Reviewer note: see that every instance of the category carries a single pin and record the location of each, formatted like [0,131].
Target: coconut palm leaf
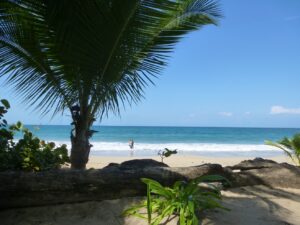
[280,146]
[291,147]
[103,51]
[96,54]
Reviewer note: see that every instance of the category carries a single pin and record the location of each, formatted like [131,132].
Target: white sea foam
[197,147]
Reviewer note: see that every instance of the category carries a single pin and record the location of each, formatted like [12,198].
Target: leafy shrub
[290,146]
[166,153]
[29,153]
[5,135]
[183,199]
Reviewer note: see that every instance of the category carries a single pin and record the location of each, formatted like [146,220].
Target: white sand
[176,160]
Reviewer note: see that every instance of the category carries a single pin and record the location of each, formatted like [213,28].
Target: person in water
[131,146]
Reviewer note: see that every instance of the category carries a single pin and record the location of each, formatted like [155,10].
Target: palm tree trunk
[80,149]
[80,136]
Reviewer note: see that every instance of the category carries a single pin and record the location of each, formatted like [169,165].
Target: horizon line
[169,126]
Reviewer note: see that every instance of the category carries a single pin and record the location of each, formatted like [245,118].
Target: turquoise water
[193,140]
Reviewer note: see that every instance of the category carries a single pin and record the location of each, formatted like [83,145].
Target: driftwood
[20,189]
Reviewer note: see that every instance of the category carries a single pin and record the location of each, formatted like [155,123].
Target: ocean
[206,141]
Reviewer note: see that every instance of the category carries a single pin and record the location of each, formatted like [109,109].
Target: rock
[142,163]
[138,164]
[266,172]
[256,163]
[112,165]
[194,171]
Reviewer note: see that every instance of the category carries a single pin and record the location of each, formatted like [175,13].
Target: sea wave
[188,147]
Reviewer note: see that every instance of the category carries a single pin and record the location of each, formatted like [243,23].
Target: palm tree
[290,146]
[90,57]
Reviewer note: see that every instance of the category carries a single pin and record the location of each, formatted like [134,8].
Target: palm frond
[24,59]
[155,29]
[285,146]
[100,54]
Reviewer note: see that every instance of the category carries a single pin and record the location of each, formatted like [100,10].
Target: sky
[245,72]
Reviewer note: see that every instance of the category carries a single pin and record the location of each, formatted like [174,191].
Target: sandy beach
[256,205]
[178,160]
[248,205]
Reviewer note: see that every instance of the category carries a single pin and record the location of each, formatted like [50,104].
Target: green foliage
[29,153]
[102,53]
[166,153]
[185,200]
[5,135]
[290,146]
[94,55]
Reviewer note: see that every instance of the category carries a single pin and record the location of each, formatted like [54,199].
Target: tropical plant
[91,57]
[5,135]
[28,153]
[166,153]
[185,200]
[290,146]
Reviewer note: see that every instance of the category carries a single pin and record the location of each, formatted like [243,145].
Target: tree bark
[80,150]
[80,136]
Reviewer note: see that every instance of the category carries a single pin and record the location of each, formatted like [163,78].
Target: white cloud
[277,109]
[227,114]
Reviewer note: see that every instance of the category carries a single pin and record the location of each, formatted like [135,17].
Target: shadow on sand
[249,205]
[258,205]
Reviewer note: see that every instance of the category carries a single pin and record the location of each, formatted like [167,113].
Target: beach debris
[166,153]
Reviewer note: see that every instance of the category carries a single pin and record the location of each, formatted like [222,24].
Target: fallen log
[21,189]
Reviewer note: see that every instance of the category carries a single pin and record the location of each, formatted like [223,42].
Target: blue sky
[244,72]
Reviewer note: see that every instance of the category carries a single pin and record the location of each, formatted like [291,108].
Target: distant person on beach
[131,146]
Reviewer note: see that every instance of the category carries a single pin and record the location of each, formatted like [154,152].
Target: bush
[29,153]
[184,200]
[5,135]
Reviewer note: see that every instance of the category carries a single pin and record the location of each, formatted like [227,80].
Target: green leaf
[26,159]
[157,188]
[149,204]
[19,125]
[134,210]
[181,216]
[5,103]
[184,199]
[284,145]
